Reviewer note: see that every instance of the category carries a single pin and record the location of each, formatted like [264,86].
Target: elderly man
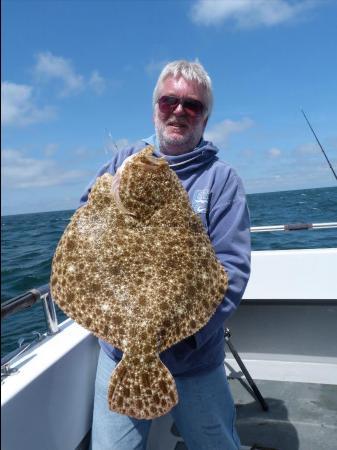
[205,414]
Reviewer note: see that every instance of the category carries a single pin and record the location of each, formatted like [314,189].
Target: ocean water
[29,241]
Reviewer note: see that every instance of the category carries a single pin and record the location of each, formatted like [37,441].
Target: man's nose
[179,110]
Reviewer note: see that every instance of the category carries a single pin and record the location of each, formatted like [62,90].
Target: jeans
[204,415]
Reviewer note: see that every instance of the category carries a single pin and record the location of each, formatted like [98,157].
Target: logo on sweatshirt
[200,200]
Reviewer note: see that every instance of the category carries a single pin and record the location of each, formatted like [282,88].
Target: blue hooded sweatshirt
[217,195]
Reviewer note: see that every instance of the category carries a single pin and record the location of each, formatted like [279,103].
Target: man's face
[178,131]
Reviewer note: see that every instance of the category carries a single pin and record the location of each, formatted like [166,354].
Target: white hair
[191,71]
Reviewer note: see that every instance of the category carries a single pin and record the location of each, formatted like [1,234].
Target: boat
[281,363]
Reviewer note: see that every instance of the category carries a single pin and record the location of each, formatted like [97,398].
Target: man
[205,413]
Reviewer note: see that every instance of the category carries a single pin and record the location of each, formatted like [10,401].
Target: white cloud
[247,154]
[288,177]
[302,167]
[154,67]
[307,149]
[51,67]
[21,172]
[220,132]
[82,152]
[97,82]
[18,106]
[248,13]
[50,150]
[274,152]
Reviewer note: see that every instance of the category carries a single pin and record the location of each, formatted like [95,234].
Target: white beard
[177,144]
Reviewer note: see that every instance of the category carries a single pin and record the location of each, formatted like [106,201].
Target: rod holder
[50,313]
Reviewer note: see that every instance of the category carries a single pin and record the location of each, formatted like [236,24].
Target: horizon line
[74,209]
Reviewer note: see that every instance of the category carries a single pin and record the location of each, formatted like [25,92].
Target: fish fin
[143,391]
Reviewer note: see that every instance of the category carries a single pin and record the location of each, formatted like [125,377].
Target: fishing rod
[319,144]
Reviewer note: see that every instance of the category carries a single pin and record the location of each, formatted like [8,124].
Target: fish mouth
[147,162]
[115,191]
[151,162]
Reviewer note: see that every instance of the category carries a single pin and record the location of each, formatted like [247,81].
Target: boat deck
[301,416]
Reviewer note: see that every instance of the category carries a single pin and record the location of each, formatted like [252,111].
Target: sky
[78,76]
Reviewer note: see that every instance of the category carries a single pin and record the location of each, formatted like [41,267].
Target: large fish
[136,268]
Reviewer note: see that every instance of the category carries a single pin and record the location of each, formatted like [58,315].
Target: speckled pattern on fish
[136,268]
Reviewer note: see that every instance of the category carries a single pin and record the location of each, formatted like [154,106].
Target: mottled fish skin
[136,268]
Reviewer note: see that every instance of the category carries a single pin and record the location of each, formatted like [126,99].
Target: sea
[28,242]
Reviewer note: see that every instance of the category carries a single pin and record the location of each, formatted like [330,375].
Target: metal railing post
[50,313]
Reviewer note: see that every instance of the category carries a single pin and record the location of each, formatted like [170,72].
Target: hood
[203,154]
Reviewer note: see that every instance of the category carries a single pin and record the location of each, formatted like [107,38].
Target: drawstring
[186,161]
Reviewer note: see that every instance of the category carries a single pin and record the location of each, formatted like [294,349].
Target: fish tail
[144,391]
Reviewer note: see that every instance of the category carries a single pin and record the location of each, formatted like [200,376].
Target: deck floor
[301,416]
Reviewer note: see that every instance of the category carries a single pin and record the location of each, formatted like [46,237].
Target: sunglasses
[168,103]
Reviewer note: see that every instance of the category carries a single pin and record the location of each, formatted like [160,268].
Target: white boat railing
[294,227]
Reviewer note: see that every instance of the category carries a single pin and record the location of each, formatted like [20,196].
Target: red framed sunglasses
[168,103]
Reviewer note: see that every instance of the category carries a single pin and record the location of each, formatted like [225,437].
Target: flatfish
[136,268]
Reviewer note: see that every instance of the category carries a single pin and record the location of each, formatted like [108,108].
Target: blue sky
[75,73]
